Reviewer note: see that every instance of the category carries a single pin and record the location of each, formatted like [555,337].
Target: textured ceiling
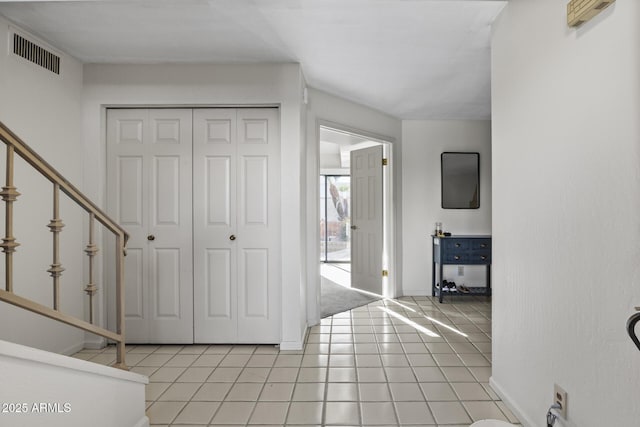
[413,59]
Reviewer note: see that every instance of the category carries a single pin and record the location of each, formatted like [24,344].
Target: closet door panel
[214,213]
[236,228]
[259,225]
[218,286]
[129,182]
[149,155]
[218,191]
[255,184]
[254,280]
[170,232]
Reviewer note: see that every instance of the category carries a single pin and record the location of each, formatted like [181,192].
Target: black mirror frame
[477,154]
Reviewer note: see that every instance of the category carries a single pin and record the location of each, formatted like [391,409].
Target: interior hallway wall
[424,142]
[43,109]
[566,223]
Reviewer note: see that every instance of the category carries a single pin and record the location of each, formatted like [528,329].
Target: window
[335,218]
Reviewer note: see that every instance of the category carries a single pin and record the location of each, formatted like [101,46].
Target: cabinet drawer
[477,244]
[454,245]
[480,257]
[456,257]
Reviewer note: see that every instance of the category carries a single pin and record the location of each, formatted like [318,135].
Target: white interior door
[149,155]
[366,219]
[237,225]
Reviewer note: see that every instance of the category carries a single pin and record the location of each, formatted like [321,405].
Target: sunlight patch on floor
[409,322]
[338,273]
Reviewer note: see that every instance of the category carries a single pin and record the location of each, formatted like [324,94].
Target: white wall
[331,161]
[214,85]
[566,194]
[423,143]
[327,109]
[44,110]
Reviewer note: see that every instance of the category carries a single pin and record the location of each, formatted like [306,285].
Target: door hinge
[385,273]
[385,162]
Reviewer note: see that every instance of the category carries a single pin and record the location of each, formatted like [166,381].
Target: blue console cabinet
[460,250]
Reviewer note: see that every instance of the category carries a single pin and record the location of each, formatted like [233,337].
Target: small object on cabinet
[438,231]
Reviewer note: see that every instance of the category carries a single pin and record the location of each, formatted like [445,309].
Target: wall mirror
[460,180]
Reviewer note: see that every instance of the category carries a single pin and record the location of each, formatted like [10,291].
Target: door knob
[151,237]
[232,237]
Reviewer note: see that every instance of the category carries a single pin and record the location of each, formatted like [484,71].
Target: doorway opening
[354,250]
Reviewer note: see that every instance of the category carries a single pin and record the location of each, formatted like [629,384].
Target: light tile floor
[408,361]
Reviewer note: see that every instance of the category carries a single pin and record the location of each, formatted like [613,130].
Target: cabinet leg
[488,291]
[440,279]
[433,279]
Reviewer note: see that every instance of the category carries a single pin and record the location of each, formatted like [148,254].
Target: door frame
[389,263]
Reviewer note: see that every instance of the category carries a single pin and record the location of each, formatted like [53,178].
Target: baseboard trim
[71,350]
[513,407]
[416,293]
[291,345]
[97,344]
[295,345]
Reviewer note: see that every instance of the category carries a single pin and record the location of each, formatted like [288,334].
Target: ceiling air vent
[36,54]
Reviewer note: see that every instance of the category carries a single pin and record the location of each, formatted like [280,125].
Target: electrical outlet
[560,398]
[461,270]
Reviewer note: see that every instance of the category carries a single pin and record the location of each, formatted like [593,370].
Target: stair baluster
[56,226]
[91,252]
[9,244]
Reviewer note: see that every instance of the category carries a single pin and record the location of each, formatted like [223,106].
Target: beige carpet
[336,299]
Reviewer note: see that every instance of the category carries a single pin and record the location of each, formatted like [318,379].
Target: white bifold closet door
[236,189]
[199,192]
[149,155]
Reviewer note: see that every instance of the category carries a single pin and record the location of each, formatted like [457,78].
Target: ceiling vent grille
[36,54]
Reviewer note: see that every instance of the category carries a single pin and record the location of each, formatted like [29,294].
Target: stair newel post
[9,244]
[56,225]
[120,310]
[91,251]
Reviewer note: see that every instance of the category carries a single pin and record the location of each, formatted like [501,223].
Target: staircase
[43,388]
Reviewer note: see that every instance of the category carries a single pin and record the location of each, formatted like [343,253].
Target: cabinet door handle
[457,245]
[456,257]
[151,237]
[232,237]
[484,245]
[483,257]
